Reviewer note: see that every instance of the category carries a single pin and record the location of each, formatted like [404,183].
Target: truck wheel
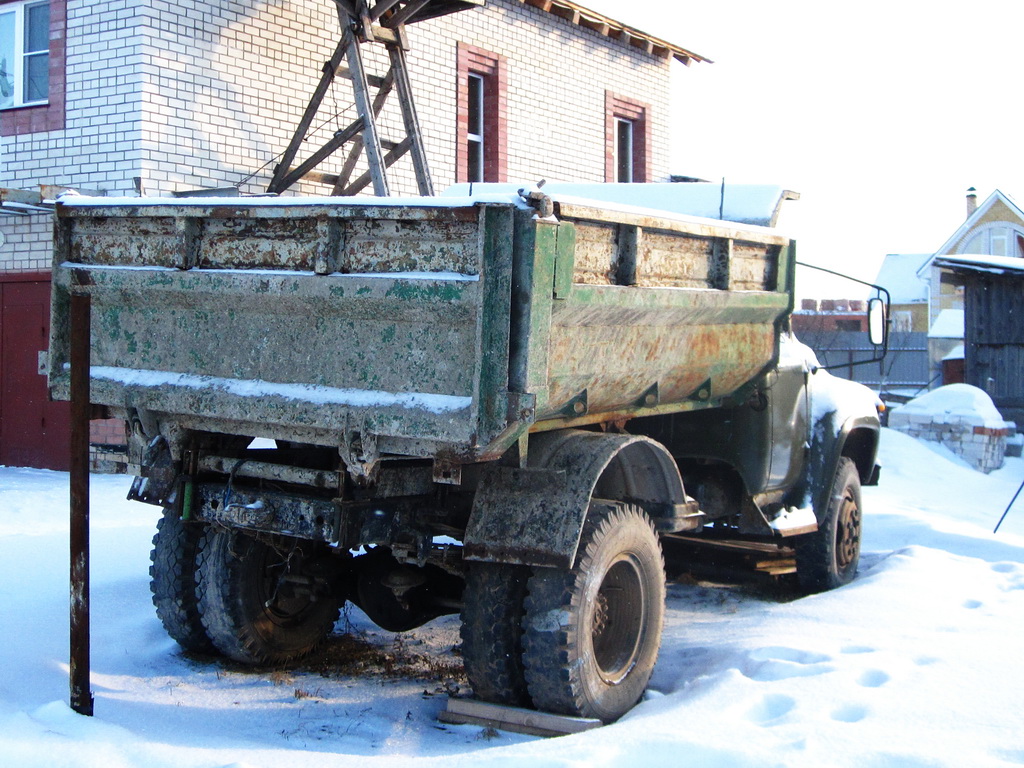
[592,632]
[262,604]
[172,580]
[492,647]
[828,558]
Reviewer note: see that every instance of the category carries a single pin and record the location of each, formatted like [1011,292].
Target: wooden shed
[993,326]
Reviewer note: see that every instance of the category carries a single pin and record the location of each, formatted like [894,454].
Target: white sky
[880,114]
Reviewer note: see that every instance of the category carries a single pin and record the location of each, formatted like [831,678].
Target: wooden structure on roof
[603,25]
[368,21]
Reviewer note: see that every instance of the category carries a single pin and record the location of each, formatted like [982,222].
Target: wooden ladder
[366,21]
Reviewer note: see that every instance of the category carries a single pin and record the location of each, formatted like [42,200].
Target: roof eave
[582,16]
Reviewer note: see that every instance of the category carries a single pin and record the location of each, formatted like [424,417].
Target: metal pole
[1006,511]
[81,693]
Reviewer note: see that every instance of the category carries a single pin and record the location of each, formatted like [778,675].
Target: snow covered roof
[899,275]
[948,325]
[756,204]
[999,265]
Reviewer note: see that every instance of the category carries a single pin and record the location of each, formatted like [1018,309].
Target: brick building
[155,97]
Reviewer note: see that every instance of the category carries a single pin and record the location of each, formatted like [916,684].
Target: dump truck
[500,402]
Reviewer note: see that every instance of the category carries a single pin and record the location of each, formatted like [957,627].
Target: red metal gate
[34,432]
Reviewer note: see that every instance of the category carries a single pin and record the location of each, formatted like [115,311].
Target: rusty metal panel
[667,260]
[677,351]
[150,241]
[752,267]
[596,253]
[245,243]
[375,245]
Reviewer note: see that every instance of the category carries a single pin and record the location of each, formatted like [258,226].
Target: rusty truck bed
[437,327]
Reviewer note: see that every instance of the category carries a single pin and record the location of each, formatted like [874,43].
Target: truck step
[513,719]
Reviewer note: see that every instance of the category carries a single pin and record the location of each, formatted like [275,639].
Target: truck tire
[828,558]
[250,612]
[172,580]
[492,647]
[591,633]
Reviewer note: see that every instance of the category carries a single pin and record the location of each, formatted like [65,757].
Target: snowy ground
[917,663]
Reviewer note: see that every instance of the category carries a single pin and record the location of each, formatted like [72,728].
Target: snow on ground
[916,663]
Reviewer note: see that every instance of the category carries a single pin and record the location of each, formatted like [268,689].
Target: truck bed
[440,326]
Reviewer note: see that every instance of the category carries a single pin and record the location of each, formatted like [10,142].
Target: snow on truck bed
[744,204]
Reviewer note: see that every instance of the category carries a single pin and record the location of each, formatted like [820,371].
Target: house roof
[575,13]
[972,220]
[899,276]
[998,265]
[392,12]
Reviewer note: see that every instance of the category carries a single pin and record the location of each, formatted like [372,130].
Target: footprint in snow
[850,713]
[873,678]
[972,604]
[857,649]
[771,709]
[779,663]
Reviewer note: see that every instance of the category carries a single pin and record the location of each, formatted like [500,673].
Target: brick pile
[977,440]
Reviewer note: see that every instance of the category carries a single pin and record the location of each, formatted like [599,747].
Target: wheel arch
[856,438]
[535,515]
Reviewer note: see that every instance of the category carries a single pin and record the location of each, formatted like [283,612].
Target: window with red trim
[627,140]
[481,152]
[32,82]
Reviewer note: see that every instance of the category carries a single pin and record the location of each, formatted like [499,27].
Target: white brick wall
[202,93]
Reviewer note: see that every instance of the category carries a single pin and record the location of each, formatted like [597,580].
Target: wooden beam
[514,719]
[374,80]
[402,15]
[329,69]
[371,139]
[337,141]
[348,8]
[382,7]
[389,159]
[424,184]
[357,143]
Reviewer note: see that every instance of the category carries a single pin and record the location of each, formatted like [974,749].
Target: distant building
[908,291]
[820,315]
[995,228]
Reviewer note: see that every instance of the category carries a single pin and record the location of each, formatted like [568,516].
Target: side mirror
[878,325]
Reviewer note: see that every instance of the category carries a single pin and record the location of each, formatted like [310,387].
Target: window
[475,130]
[626,139]
[32,81]
[623,150]
[481,153]
[24,54]
[996,240]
